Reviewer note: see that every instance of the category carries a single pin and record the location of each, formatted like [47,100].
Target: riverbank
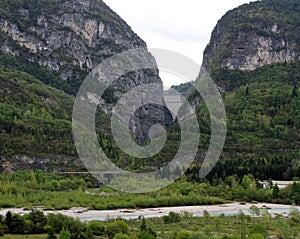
[227,209]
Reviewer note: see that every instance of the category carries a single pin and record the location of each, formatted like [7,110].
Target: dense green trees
[263,122]
[55,191]
[262,119]
[36,222]
[34,118]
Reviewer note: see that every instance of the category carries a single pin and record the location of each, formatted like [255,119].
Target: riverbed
[214,210]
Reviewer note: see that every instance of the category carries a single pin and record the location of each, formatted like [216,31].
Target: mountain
[254,58]
[255,34]
[48,47]
[67,37]
[35,121]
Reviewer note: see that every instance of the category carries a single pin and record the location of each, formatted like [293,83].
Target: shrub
[121,236]
[183,235]
[64,234]
[116,227]
[96,228]
[172,217]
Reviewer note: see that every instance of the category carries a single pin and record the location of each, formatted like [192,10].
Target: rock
[72,37]
[255,34]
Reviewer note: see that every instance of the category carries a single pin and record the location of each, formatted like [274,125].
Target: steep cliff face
[255,34]
[70,38]
[58,42]
[254,58]
[62,35]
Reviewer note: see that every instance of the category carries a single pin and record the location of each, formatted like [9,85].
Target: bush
[146,235]
[64,234]
[121,236]
[256,236]
[172,217]
[1,231]
[116,227]
[96,228]
[183,235]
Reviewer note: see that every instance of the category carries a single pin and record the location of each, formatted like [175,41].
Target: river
[214,210]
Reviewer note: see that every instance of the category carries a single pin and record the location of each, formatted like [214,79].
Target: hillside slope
[48,44]
[35,121]
[253,57]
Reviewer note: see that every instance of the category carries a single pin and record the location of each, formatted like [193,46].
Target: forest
[57,191]
[262,124]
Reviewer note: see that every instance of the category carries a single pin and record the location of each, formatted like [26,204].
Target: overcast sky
[181,26]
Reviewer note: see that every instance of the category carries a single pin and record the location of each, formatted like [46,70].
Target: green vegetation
[183,88]
[43,74]
[35,119]
[206,227]
[263,122]
[56,191]
[262,111]
[263,140]
[262,105]
[36,222]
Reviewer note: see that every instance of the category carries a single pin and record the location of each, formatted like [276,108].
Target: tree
[183,235]
[8,219]
[259,229]
[65,234]
[218,223]
[255,211]
[39,221]
[96,228]
[241,217]
[247,181]
[51,234]
[266,217]
[172,217]
[79,230]
[275,192]
[121,236]
[143,226]
[295,92]
[15,223]
[283,228]
[116,227]
[146,235]
[256,236]
[1,230]
[206,216]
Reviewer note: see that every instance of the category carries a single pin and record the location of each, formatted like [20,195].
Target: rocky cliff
[254,58]
[57,43]
[255,34]
[63,35]
[69,38]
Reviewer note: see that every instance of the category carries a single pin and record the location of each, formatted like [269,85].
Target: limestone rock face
[255,34]
[70,38]
[67,34]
